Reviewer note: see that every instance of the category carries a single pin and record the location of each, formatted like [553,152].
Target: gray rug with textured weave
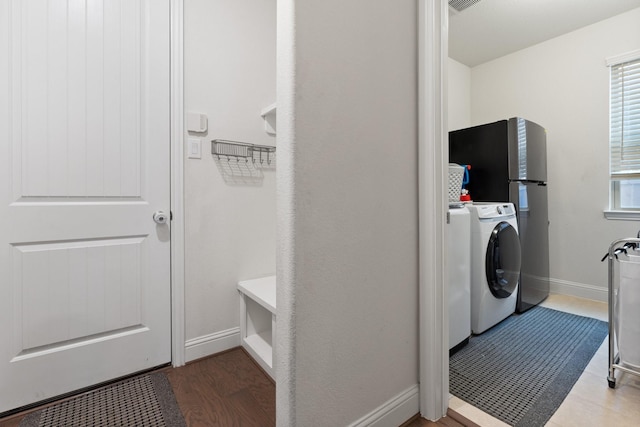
[521,370]
[145,400]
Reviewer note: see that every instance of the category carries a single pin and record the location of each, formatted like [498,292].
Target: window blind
[625,119]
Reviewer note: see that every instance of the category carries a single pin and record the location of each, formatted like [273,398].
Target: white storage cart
[624,308]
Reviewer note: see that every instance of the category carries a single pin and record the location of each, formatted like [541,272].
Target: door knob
[160,217]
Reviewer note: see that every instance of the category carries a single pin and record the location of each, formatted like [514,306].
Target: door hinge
[448,218]
[170,215]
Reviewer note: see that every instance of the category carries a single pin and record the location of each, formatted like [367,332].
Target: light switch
[194,148]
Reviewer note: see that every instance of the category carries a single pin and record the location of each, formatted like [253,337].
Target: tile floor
[591,402]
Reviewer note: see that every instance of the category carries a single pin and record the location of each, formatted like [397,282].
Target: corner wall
[347,212]
[458,95]
[563,84]
[230,75]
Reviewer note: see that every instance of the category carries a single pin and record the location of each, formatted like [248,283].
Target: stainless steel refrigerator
[508,162]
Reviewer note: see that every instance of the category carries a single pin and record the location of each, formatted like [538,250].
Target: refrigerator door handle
[528,181]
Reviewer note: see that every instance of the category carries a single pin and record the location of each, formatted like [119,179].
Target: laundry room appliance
[510,165]
[495,263]
[459,281]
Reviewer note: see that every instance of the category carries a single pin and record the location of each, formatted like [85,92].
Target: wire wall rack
[237,150]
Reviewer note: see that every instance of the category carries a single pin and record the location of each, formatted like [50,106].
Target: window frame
[615,210]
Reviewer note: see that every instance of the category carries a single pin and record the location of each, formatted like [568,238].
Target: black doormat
[146,400]
[521,370]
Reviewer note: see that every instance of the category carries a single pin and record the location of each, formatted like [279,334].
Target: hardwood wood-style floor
[453,419]
[229,389]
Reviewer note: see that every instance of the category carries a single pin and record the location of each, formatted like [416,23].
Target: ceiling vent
[460,5]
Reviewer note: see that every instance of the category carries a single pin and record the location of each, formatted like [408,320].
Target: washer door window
[503,260]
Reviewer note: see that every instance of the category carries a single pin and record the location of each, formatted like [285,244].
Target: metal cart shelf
[623,251]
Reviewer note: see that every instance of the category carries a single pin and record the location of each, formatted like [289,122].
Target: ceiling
[489,29]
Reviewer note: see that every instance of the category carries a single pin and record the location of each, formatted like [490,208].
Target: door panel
[84,141]
[77,98]
[531,204]
[66,288]
[527,150]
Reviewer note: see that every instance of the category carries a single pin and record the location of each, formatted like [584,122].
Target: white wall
[563,84]
[230,75]
[347,209]
[459,95]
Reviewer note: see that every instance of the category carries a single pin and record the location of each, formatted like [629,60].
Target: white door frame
[433,202]
[177,184]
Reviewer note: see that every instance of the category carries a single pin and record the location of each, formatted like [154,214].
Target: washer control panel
[495,210]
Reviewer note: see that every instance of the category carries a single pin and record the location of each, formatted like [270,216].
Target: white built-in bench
[258,320]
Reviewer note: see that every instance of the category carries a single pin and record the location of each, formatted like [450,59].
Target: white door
[84,164]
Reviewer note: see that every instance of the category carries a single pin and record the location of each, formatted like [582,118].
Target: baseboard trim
[394,412]
[581,290]
[206,345]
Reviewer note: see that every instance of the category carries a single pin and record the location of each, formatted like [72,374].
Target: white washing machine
[459,282]
[495,264]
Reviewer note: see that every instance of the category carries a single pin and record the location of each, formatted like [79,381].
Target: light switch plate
[194,148]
